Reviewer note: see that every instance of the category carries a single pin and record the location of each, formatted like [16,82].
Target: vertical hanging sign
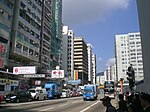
[75,74]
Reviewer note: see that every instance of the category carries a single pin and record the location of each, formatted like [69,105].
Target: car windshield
[32,91]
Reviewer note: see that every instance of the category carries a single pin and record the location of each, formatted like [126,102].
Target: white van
[38,93]
[66,93]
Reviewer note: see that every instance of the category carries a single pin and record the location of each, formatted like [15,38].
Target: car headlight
[13,97]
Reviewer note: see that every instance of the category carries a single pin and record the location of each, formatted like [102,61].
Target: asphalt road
[75,104]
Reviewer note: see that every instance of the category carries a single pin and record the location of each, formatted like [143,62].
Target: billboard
[57,74]
[24,70]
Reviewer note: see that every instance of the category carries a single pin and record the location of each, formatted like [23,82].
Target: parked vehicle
[1,98]
[65,93]
[38,93]
[53,90]
[90,92]
[18,96]
[75,93]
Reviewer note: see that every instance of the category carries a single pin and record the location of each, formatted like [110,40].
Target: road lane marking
[63,104]
[89,106]
[75,102]
[46,109]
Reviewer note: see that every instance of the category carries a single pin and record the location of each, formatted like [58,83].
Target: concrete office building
[128,51]
[144,21]
[81,59]
[45,45]
[6,14]
[90,65]
[68,52]
[25,37]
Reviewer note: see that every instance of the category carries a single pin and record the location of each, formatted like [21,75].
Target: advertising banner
[57,74]
[75,74]
[24,70]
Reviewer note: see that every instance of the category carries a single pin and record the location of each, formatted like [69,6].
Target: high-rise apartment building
[26,30]
[81,59]
[90,70]
[6,13]
[45,45]
[128,51]
[110,73]
[94,68]
[68,52]
[144,21]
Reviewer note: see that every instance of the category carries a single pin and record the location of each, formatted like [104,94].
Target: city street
[75,104]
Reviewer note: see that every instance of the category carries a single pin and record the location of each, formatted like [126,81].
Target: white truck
[38,93]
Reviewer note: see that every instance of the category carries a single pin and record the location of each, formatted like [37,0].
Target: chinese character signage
[2,55]
[24,70]
[57,74]
[2,48]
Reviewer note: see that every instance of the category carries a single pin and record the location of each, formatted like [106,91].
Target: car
[1,98]
[18,96]
[75,93]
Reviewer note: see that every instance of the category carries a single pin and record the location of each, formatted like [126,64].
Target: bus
[109,89]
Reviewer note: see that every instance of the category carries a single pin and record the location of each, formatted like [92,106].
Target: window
[2,87]
[18,45]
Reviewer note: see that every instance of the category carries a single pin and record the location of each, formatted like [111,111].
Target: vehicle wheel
[44,98]
[17,100]
[29,99]
[84,99]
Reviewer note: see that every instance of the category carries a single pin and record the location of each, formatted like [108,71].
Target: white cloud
[80,11]
[99,59]
[110,62]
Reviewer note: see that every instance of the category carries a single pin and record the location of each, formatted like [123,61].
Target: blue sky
[98,21]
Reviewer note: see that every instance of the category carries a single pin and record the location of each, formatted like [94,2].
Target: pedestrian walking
[107,103]
[122,104]
[145,102]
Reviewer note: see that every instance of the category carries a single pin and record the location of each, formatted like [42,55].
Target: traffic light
[131,77]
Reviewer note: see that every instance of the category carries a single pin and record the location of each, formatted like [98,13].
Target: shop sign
[2,48]
[34,75]
[9,82]
[24,70]
[1,62]
[57,74]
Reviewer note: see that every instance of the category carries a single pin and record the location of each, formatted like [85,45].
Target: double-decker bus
[109,89]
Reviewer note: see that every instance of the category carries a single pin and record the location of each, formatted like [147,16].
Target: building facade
[6,14]
[144,22]
[56,39]
[81,59]
[25,36]
[68,52]
[90,64]
[94,68]
[45,43]
[128,51]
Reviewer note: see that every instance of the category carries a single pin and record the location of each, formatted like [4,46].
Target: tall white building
[90,70]
[68,52]
[94,68]
[128,51]
[110,73]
